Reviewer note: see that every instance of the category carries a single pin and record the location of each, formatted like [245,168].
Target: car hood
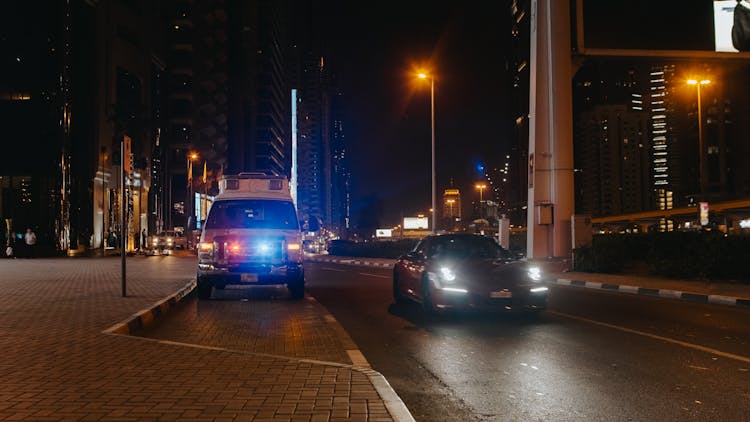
[486,274]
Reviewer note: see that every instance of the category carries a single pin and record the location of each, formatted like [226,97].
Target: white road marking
[657,337]
[332,269]
[375,275]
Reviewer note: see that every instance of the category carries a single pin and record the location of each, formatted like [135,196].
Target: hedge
[688,255]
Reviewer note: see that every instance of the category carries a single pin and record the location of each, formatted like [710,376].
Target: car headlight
[535,273]
[447,274]
[538,290]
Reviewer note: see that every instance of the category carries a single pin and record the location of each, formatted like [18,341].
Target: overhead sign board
[416,223]
[707,29]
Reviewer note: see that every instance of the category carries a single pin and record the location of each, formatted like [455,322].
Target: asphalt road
[592,356]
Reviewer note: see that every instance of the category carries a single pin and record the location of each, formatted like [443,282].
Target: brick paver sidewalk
[57,364]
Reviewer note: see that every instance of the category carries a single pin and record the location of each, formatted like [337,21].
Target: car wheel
[204,289]
[427,304]
[297,287]
[397,296]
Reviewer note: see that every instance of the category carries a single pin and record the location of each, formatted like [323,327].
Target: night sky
[376,50]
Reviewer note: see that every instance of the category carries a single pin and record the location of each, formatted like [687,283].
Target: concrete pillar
[550,166]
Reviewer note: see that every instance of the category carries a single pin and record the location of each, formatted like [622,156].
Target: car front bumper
[482,301]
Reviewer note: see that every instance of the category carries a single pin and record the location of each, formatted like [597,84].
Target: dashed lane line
[656,337]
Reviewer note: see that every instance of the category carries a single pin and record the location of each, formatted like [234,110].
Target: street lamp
[702,171]
[450,203]
[189,203]
[481,187]
[423,75]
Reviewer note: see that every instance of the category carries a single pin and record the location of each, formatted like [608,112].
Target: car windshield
[252,214]
[476,247]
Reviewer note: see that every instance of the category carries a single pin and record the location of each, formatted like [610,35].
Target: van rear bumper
[250,275]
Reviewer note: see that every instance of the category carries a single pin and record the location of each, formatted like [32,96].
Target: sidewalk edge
[392,401]
[146,317]
[664,293]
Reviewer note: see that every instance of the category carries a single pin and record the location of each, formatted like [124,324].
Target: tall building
[229,96]
[340,172]
[323,167]
[667,181]
[314,140]
[77,77]
[612,153]
[517,156]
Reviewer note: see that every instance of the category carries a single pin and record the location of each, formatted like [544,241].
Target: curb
[665,293]
[352,262]
[396,407]
[146,317]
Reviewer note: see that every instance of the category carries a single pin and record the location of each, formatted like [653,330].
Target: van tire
[297,287]
[203,288]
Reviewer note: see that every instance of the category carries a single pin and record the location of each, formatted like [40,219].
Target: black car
[467,271]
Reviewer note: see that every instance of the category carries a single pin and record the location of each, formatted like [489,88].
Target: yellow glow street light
[450,203]
[481,187]
[424,75]
[702,171]
[189,203]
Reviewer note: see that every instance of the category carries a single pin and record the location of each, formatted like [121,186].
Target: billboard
[647,28]
[416,223]
[384,233]
[731,26]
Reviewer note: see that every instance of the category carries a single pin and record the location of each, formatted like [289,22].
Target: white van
[251,236]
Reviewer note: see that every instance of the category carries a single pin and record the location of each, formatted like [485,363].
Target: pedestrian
[30,240]
[10,251]
[144,237]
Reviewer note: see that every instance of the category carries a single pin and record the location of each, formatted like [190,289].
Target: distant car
[467,271]
[167,241]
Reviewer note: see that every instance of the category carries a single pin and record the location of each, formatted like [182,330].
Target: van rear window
[252,214]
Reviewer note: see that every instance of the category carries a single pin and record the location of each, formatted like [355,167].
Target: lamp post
[702,171]
[432,126]
[450,203]
[189,202]
[481,187]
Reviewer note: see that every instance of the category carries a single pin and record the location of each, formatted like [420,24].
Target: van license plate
[501,294]
[249,278]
